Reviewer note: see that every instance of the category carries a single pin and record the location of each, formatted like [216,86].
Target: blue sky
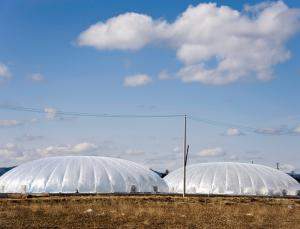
[51,60]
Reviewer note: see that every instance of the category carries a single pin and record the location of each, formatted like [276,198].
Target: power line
[190,117]
[223,124]
[84,114]
[264,131]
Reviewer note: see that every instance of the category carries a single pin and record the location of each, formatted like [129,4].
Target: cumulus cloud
[10,154]
[84,147]
[37,77]
[212,152]
[4,72]
[50,112]
[10,150]
[9,122]
[137,80]
[129,31]
[241,44]
[80,148]
[233,132]
[14,123]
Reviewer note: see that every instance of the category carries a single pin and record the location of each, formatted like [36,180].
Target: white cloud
[37,77]
[84,147]
[134,152]
[10,154]
[164,75]
[80,148]
[137,80]
[233,132]
[50,112]
[241,44]
[126,31]
[13,122]
[4,72]
[9,123]
[212,152]
[297,130]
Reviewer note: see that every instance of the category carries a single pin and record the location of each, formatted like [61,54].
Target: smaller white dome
[83,174]
[231,178]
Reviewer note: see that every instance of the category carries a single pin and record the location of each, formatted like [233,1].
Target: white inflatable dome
[82,174]
[231,178]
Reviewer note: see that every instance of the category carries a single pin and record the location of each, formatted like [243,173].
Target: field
[102,211]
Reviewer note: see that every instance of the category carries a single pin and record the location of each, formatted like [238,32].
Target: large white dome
[231,178]
[83,174]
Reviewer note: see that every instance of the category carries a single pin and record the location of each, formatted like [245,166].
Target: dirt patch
[149,212]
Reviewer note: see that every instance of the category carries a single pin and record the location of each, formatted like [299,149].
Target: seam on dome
[80,176]
[117,168]
[206,170]
[51,174]
[138,167]
[261,178]
[132,166]
[147,176]
[134,169]
[103,176]
[251,179]
[288,181]
[194,175]
[108,175]
[65,172]
[39,172]
[94,173]
[23,172]
[226,178]
[213,179]
[276,183]
[270,178]
[284,180]
[12,174]
[238,178]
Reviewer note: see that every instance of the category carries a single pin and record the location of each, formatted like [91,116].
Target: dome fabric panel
[231,178]
[83,174]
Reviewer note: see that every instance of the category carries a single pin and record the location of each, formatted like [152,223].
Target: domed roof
[232,178]
[83,174]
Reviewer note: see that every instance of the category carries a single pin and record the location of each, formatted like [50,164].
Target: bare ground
[149,212]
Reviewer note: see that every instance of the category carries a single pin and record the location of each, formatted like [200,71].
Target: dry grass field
[149,212]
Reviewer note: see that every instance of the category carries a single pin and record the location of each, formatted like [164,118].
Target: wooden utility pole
[184,158]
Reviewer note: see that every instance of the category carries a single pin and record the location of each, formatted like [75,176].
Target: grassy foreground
[149,212]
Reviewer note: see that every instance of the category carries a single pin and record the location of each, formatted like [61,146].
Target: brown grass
[149,212]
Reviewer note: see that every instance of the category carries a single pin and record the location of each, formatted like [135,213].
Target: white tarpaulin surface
[233,179]
[83,174]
